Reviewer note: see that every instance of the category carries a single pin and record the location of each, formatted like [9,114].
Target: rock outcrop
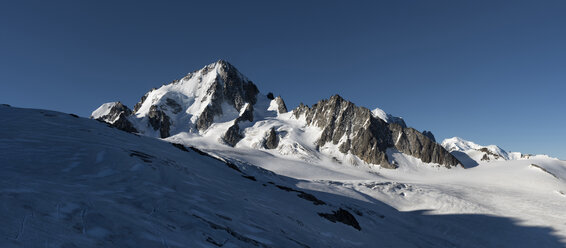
[233,135]
[412,142]
[271,140]
[354,129]
[281,107]
[159,121]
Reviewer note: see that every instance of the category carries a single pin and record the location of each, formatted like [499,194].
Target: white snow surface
[74,182]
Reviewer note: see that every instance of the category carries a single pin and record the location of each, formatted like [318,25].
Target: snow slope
[75,182]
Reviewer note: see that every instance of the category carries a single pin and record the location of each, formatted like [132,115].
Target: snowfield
[76,182]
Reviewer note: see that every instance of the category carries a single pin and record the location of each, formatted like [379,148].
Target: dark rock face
[272,140]
[236,89]
[159,121]
[282,108]
[207,116]
[233,135]
[429,135]
[122,123]
[368,137]
[232,87]
[416,144]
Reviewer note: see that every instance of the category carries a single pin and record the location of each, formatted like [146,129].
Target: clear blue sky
[493,72]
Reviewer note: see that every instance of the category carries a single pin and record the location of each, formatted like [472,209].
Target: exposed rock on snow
[354,129]
[343,216]
[159,121]
[281,107]
[233,135]
[271,140]
[412,142]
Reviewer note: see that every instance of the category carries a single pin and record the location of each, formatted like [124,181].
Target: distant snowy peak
[472,154]
[379,113]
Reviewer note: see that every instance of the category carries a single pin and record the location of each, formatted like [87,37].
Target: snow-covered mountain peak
[216,93]
[218,103]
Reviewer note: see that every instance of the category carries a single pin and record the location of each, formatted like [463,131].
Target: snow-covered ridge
[472,154]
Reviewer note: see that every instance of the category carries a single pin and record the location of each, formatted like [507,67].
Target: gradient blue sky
[493,72]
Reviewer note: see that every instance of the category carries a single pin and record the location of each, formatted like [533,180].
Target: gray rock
[416,144]
[237,90]
[159,121]
[124,124]
[281,107]
[232,135]
[272,140]
[369,137]
[231,87]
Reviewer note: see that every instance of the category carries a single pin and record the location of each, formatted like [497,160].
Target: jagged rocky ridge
[356,130]
[219,96]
